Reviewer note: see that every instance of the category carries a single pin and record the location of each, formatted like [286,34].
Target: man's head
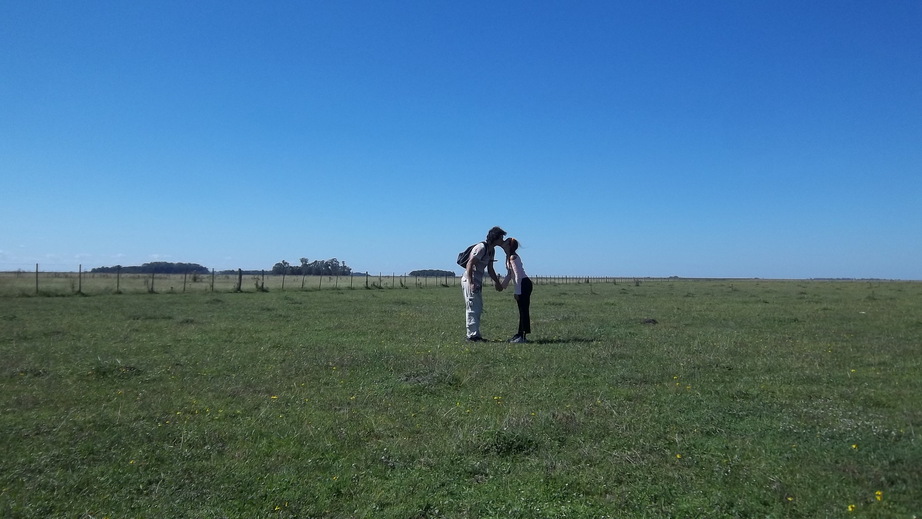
[495,236]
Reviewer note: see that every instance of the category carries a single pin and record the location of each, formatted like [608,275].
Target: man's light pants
[473,305]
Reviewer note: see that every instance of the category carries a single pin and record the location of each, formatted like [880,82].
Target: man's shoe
[518,339]
[476,338]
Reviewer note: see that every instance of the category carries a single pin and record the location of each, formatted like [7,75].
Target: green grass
[747,399]
[53,284]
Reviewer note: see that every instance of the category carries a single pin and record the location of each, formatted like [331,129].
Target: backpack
[465,255]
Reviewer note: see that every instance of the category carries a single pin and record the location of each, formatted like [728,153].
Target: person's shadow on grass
[561,340]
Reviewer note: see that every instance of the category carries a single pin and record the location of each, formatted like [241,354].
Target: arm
[505,282]
[469,272]
[472,264]
[495,278]
[517,272]
[492,271]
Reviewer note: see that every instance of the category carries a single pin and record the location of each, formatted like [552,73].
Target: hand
[499,286]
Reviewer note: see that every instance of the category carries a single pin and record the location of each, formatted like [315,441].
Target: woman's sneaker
[518,339]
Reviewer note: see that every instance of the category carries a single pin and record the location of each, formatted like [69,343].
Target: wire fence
[38,283]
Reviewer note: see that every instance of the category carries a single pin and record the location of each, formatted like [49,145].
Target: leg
[473,306]
[524,303]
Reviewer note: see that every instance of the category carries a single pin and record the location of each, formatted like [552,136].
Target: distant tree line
[330,267]
[156,267]
[432,273]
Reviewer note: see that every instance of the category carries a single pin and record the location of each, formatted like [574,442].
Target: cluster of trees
[330,267]
[156,267]
[432,273]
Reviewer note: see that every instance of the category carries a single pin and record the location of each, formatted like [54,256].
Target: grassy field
[71,283]
[745,399]
[52,284]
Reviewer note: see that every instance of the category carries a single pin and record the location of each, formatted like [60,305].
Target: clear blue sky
[775,139]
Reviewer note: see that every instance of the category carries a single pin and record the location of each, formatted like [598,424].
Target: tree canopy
[330,267]
[432,273]
[156,267]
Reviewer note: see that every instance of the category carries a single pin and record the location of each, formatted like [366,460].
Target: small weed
[504,442]
[107,369]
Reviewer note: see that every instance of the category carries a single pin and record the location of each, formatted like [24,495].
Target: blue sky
[775,139]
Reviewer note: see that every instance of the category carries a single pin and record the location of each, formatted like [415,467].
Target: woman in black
[523,287]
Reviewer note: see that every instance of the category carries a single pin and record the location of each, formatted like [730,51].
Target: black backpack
[465,255]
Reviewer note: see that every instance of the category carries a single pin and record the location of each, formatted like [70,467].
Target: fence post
[239,280]
[80,279]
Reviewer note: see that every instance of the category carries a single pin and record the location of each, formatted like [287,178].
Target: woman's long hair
[513,246]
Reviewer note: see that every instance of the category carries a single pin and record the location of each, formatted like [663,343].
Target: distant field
[70,283]
[745,399]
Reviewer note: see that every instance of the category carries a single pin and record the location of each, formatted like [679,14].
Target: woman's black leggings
[524,302]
